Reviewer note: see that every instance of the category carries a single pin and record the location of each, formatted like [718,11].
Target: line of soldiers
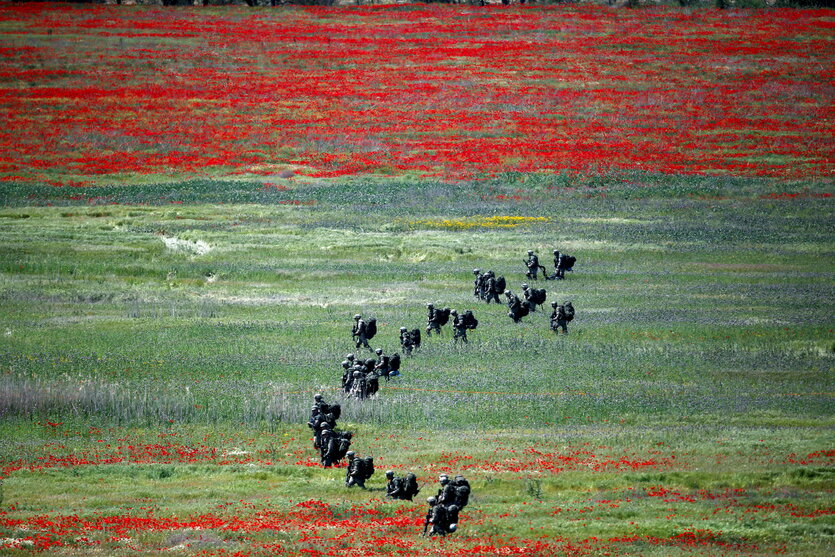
[333,445]
[361,378]
[451,499]
[562,263]
[487,286]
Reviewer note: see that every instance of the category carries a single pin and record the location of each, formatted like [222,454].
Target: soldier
[406,343]
[437,517]
[477,283]
[431,320]
[358,386]
[514,304]
[359,332]
[462,492]
[447,494]
[526,291]
[460,327]
[490,292]
[559,266]
[337,448]
[559,318]
[394,487]
[346,374]
[533,265]
[350,358]
[358,470]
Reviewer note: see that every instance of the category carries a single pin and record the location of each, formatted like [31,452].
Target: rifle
[426,522]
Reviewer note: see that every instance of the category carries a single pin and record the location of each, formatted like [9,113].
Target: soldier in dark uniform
[491,292]
[447,494]
[437,518]
[432,322]
[459,326]
[533,265]
[359,332]
[407,344]
[526,291]
[514,304]
[559,319]
[394,487]
[477,283]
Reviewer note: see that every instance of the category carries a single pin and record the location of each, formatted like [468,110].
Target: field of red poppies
[96,94]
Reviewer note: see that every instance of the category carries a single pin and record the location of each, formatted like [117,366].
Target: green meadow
[207,314]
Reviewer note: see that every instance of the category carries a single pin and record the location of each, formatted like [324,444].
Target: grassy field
[194,204]
[153,392]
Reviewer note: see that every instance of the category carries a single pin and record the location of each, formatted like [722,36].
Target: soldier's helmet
[357,316]
[524,286]
[346,364]
[452,508]
[370,362]
[530,252]
[349,357]
[314,407]
[443,478]
[432,500]
[453,312]
[447,309]
[430,305]
[357,374]
[402,329]
[567,302]
[553,304]
[389,474]
[476,271]
[378,351]
[317,397]
[556,252]
[350,454]
[326,425]
[453,527]
[459,477]
[507,292]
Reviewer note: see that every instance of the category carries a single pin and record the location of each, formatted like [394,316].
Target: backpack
[501,284]
[569,312]
[367,467]
[411,487]
[416,337]
[394,362]
[344,446]
[462,496]
[371,328]
[538,295]
[570,260]
[470,321]
[336,410]
[443,316]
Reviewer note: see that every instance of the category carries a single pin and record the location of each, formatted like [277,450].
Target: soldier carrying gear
[432,320]
[518,310]
[359,470]
[394,487]
[491,288]
[478,286]
[460,327]
[532,263]
[360,332]
[447,494]
[358,385]
[437,517]
[559,319]
[406,342]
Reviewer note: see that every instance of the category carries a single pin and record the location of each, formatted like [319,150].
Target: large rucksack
[416,337]
[371,328]
[470,321]
[501,284]
[344,446]
[538,295]
[411,487]
[367,468]
[394,362]
[570,260]
[443,316]
[569,311]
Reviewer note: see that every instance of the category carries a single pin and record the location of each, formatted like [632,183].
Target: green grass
[704,332]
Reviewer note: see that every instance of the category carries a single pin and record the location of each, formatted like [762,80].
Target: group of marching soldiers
[332,444]
[361,378]
[452,497]
[562,263]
